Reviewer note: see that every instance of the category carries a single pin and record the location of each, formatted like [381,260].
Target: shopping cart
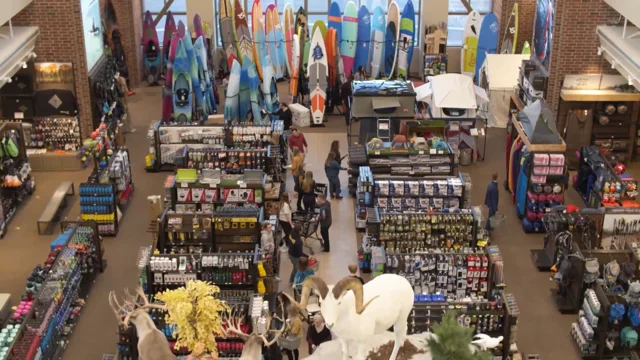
[309,228]
[496,220]
[313,304]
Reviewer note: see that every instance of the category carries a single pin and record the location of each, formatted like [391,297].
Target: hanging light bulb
[24,65]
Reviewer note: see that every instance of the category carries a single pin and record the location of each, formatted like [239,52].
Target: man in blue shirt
[491,198]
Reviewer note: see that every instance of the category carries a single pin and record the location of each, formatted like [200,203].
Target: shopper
[491,199]
[360,74]
[285,220]
[345,91]
[308,186]
[285,115]
[124,91]
[325,221]
[335,148]
[317,333]
[353,272]
[297,172]
[332,169]
[291,354]
[302,273]
[297,140]
[296,251]
[266,239]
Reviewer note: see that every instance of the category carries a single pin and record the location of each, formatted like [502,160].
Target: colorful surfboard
[182,85]
[267,72]
[330,45]
[405,41]
[301,21]
[470,43]
[526,48]
[510,37]
[231,110]
[320,25]
[167,90]
[259,39]
[273,40]
[293,83]
[244,96]
[181,29]
[341,75]
[244,42]
[197,26]
[349,36]
[205,77]
[289,31]
[302,66]
[335,20]
[364,37]
[195,80]
[169,28]
[378,24]
[151,53]
[487,40]
[391,40]
[280,46]
[318,72]
[227,31]
[254,90]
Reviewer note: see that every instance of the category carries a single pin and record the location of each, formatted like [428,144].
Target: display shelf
[98,202]
[597,95]
[426,193]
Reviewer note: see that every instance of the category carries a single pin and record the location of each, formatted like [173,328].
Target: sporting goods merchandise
[203,70]
[254,91]
[231,115]
[227,31]
[330,45]
[335,21]
[510,37]
[487,40]
[167,91]
[349,36]
[320,25]
[244,42]
[274,39]
[470,43]
[293,83]
[182,95]
[318,72]
[391,40]
[526,48]
[364,37]
[301,21]
[181,29]
[169,28]
[405,42]
[244,97]
[289,31]
[195,80]
[267,73]
[259,39]
[302,66]
[197,26]
[152,58]
[377,41]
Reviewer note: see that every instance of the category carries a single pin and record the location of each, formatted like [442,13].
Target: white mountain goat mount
[355,312]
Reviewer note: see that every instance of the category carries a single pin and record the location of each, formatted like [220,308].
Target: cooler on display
[301,115]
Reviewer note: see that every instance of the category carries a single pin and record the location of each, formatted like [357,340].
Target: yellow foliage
[195,311]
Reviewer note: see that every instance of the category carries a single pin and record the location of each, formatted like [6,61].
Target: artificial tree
[452,341]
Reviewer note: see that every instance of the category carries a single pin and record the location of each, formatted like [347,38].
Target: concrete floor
[541,328]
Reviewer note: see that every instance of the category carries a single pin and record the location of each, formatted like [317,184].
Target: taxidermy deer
[253,342]
[355,312]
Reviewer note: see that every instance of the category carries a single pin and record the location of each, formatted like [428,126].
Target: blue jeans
[334,186]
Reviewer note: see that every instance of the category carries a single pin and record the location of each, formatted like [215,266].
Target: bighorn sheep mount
[355,312]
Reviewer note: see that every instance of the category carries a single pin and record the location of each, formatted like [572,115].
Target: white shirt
[285,212]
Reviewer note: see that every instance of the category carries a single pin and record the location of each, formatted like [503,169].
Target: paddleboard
[320,25]
[289,32]
[526,48]
[169,28]
[318,72]
[364,37]
[391,40]
[293,83]
[335,20]
[510,37]
[167,91]
[243,38]
[254,90]
[245,92]
[301,21]
[182,85]
[302,66]
[349,36]
[275,97]
[181,29]
[205,77]
[280,45]
[330,45]
[377,41]
[487,40]
[405,42]
[151,53]
[470,43]
[267,72]
[259,39]
[340,68]
[197,26]
[195,80]
[227,31]
[272,40]
[231,110]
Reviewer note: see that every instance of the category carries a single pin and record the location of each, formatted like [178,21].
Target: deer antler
[232,320]
[131,303]
[277,331]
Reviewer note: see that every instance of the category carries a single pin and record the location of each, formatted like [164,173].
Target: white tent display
[499,77]
[452,96]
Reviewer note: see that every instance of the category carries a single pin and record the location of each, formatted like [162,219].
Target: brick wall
[61,40]
[526,13]
[129,13]
[575,43]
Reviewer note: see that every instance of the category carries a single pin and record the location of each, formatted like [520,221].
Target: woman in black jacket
[308,186]
[296,251]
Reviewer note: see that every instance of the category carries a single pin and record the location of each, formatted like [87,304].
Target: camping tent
[538,124]
[452,96]
[499,77]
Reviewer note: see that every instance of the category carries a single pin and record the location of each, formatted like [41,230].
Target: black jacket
[286,117]
[295,244]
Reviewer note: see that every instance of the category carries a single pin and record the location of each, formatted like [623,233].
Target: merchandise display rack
[411,162]
[98,203]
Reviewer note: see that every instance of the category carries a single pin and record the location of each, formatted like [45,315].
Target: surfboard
[231,114]
[335,20]
[259,39]
[273,42]
[349,36]
[526,48]
[293,83]
[330,45]
[363,39]
[227,31]
[205,77]
[197,26]
[280,45]
[254,90]
[510,37]
[267,72]
[169,28]
[470,43]
[182,94]
[377,41]
[301,21]
[391,40]
[152,56]
[195,80]
[487,40]
[302,39]
[405,42]
[244,42]
[289,31]
[181,29]
[318,72]
[320,25]
[167,90]
[340,67]
[244,96]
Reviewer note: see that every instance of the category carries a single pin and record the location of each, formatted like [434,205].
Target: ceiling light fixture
[613,64]
[599,50]
[630,80]
[24,65]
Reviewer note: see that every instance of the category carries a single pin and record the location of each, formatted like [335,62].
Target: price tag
[376,152]
[420,152]
[440,152]
[433,151]
[412,172]
[184,185]
[213,185]
[18,115]
[242,184]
